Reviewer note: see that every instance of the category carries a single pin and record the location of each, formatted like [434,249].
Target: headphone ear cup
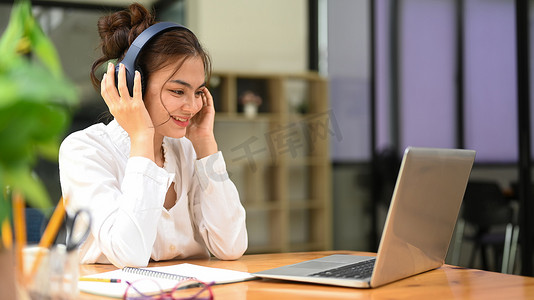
[129,79]
[143,80]
[117,76]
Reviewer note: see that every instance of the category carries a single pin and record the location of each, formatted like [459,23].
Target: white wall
[252,35]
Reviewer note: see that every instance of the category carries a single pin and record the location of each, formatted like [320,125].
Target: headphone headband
[130,58]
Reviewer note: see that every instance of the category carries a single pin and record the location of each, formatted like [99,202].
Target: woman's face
[180,96]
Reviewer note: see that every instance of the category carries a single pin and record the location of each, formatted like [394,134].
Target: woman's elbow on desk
[133,258]
[126,250]
[120,259]
[230,255]
[230,249]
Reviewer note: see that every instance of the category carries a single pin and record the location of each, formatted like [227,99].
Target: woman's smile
[180,121]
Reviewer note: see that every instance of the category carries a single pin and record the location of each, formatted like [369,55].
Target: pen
[110,280]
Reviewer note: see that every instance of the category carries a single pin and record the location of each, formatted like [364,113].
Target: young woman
[153,178]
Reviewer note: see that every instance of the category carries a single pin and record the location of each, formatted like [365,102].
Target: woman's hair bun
[118,30]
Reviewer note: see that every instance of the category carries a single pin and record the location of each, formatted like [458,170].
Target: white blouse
[125,196]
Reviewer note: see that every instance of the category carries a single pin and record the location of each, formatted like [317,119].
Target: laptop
[419,225]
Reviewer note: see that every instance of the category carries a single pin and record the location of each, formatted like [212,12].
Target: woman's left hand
[200,129]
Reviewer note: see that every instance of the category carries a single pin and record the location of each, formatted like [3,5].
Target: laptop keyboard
[358,270]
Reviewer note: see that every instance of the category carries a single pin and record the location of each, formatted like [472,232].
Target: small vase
[250,110]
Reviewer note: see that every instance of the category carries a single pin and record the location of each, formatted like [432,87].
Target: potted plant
[35,107]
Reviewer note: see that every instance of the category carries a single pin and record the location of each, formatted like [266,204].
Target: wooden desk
[447,282]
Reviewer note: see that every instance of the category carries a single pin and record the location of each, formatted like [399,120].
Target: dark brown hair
[119,30]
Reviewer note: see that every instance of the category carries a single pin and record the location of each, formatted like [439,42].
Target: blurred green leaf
[22,180]
[34,83]
[35,105]
[27,126]
[5,203]
[23,35]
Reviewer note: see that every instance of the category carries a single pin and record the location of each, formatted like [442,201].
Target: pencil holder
[55,275]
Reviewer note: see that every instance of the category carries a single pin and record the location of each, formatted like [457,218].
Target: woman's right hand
[130,112]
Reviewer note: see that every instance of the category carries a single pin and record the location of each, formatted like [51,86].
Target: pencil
[19,221]
[49,234]
[7,234]
[110,280]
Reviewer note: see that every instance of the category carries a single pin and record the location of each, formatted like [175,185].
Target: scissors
[75,239]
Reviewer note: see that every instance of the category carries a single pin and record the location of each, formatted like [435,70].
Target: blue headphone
[130,59]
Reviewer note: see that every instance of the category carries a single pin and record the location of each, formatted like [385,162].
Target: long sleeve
[124,195]
[218,212]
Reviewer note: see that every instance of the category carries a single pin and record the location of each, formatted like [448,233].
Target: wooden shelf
[299,247]
[237,117]
[306,204]
[257,249]
[278,159]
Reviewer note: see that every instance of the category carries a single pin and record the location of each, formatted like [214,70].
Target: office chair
[487,212]
[35,222]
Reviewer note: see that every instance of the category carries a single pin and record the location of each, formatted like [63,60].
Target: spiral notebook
[167,277]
